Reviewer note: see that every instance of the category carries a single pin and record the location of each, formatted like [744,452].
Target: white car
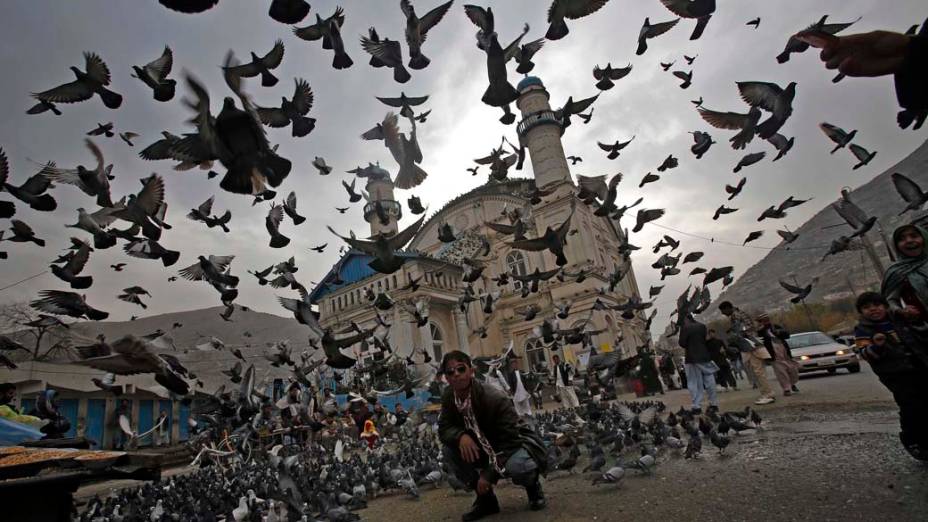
[816,351]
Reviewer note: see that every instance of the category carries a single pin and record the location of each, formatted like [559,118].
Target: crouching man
[483,439]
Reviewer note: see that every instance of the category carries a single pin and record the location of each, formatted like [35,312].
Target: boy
[891,353]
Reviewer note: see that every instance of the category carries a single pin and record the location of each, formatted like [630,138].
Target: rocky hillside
[251,332]
[839,275]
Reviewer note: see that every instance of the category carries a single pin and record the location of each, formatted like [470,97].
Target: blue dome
[528,81]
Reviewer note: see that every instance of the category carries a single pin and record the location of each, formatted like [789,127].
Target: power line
[24,280]
[729,243]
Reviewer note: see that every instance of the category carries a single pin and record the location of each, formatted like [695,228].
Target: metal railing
[547,117]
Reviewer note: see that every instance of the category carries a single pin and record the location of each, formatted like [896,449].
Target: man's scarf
[465,408]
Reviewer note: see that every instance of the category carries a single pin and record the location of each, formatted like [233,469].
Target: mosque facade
[342,297]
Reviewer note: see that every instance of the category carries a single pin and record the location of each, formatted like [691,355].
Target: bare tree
[43,340]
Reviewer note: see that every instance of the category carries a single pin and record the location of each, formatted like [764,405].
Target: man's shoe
[794,389]
[536,497]
[787,393]
[764,400]
[484,506]
[696,411]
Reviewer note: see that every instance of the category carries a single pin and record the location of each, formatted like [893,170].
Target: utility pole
[847,279]
[865,241]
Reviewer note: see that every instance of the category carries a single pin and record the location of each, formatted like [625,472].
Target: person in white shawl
[520,396]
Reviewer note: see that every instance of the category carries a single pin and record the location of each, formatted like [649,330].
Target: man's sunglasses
[460,370]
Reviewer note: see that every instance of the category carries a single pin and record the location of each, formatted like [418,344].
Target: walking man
[700,370]
[743,330]
[718,352]
[785,368]
[667,369]
[483,439]
[520,396]
[562,380]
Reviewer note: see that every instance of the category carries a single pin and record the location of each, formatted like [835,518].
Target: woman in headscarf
[905,283]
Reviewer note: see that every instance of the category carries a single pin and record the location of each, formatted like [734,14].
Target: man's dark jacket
[693,340]
[561,369]
[780,333]
[497,419]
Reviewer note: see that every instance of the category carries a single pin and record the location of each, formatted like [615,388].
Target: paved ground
[829,453]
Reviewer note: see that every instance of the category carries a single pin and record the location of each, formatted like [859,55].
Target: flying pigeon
[418,27]
[569,9]
[291,112]
[154,74]
[329,31]
[700,10]
[649,30]
[93,80]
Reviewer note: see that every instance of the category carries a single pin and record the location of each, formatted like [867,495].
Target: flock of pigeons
[331,480]
[234,140]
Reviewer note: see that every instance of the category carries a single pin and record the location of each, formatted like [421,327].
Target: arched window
[535,354]
[515,264]
[438,341]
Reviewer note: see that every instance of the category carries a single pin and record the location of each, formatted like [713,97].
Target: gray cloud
[43,38]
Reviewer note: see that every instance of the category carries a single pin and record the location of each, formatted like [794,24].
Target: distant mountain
[251,332]
[839,275]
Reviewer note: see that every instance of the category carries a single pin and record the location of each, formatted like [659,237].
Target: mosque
[592,246]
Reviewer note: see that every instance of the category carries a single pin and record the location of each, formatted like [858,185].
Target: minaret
[540,130]
[382,211]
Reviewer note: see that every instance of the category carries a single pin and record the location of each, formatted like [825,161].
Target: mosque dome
[529,81]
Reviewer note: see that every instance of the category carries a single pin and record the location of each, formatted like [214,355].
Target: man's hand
[876,53]
[483,486]
[910,312]
[470,452]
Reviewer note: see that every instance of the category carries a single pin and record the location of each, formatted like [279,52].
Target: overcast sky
[42,38]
